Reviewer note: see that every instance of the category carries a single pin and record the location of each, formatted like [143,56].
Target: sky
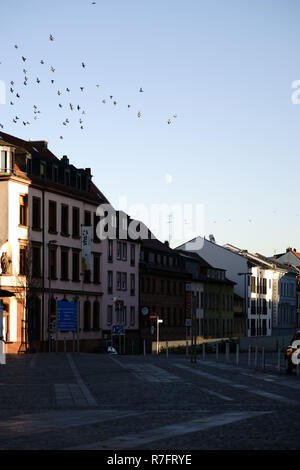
[224,69]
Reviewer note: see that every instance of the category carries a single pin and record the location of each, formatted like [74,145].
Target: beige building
[44,203]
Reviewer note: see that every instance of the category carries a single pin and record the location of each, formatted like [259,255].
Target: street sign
[117,330]
[188,322]
[152,329]
[67,315]
[145,310]
[152,316]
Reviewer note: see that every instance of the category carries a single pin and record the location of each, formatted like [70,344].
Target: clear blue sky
[224,67]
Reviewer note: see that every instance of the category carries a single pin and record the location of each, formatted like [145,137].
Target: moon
[169,178]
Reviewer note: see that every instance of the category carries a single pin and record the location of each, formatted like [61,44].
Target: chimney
[295,250]
[288,249]
[65,160]
[166,243]
[39,143]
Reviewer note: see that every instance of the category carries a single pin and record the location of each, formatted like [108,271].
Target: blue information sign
[67,316]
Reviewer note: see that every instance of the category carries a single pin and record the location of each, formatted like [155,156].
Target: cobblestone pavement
[94,401]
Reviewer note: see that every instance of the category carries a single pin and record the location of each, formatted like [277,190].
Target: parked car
[111,350]
[289,350]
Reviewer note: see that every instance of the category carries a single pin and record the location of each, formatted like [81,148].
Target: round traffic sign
[152,316]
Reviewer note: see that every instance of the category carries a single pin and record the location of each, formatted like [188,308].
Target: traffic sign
[67,315]
[152,316]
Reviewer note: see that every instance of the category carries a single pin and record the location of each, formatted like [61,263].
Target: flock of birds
[71,106]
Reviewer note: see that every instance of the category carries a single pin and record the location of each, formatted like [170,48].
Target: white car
[111,350]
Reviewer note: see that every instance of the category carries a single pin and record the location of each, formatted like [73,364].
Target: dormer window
[67,177]
[28,165]
[55,174]
[42,169]
[3,161]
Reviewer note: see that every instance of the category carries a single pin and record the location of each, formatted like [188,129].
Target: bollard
[167,348]
[249,356]
[144,347]
[255,358]
[203,351]
[263,358]
[227,352]
[279,360]
[217,351]
[237,359]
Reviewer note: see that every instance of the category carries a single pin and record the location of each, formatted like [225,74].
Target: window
[23,209]
[109,314]
[264,286]
[124,251]
[87,219]
[124,319]
[151,257]
[124,281]
[96,316]
[132,316]
[75,222]
[64,265]
[96,269]
[253,284]
[87,315]
[110,282]
[64,220]
[36,261]
[3,161]
[132,284]
[118,281]
[52,217]
[36,213]
[132,255]
[110,251]
[52,256]
[118,250]
[75,266]
[28,165]
[42,169]
[55,174]
[78,181]
[67,177]
[23,260]
[96,221]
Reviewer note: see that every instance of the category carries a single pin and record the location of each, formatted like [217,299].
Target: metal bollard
[237,359]
[263,359]
[279,360]
[249,356]
[144,347]
[217,351]
[186,348]
[203,351]
[255,358]
[167,348]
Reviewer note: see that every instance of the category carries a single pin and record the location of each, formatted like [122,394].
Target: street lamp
[246,294]
[50,243]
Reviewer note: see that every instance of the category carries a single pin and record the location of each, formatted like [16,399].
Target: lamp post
[50,243]
[246,294]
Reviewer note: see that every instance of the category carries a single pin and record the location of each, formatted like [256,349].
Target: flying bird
[51,37]
[139,114]
[16,46]
[141,90]
[52,69]
[83,64]
[81,88]
[38,80]
[67,89]
[17,95]
[169,121]
[42,62]
[23,58]
[71,107]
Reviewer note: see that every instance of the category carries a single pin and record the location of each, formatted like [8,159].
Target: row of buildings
[45,204]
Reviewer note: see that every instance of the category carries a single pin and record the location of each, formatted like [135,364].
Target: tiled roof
[31,146]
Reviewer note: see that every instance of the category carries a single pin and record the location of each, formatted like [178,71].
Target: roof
[32,147]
